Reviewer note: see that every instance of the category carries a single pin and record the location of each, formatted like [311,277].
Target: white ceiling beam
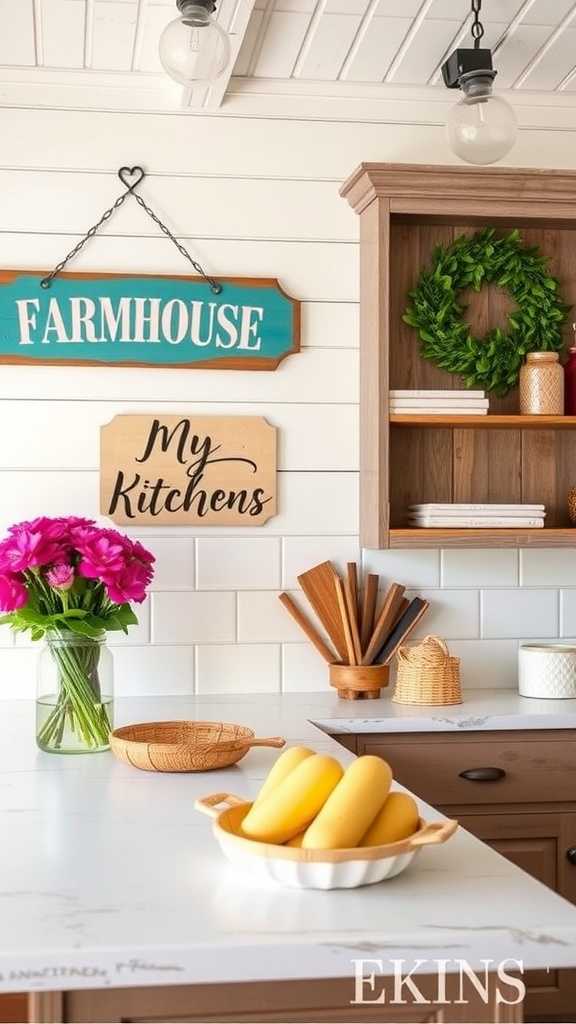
[88,32]
[210,98]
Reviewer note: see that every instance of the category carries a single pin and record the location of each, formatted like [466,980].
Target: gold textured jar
[542,385]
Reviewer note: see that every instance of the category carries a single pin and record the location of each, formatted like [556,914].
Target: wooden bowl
[359,682]
[185,746]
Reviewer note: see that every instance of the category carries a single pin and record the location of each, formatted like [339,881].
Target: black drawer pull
[571,855]
[483,774]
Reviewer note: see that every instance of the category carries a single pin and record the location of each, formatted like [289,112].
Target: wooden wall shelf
[511,422]
[441,538]
[405,212]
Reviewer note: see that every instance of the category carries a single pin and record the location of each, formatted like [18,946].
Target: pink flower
[103,552]
[30,545]
[129,584]
[13,593]
[61,576]
[140,552]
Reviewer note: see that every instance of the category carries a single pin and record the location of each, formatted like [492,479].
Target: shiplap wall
[250,195]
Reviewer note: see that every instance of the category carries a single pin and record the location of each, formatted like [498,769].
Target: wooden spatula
[369,598]
[319,585]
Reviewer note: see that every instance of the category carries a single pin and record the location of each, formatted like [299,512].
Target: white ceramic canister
[547,671]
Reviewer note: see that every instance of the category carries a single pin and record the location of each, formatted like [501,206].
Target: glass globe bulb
[194,49]
[481,127]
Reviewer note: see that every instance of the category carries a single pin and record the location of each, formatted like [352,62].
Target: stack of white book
[439,403]
[476,516]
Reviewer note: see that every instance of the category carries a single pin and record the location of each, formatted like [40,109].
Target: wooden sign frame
[171,470]
[271,308]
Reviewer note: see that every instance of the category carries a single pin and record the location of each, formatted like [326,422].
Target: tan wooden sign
[188,471]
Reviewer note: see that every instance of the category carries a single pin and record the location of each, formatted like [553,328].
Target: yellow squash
[397,820]
[296,840]
[352,807]
[295,802]
[286,763]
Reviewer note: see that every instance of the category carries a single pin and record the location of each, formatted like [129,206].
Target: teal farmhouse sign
[146,320]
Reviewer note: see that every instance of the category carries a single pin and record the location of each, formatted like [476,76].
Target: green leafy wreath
[492,362]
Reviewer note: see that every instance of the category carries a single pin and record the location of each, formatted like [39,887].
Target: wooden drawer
[539,767]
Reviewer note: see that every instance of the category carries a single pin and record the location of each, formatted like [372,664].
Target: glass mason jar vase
[74,704]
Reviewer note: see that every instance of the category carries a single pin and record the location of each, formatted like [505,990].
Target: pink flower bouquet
[68,579]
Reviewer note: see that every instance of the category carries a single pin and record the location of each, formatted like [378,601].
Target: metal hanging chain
[477,28]
[125,174]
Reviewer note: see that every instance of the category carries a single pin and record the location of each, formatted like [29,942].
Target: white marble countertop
[109,877]
[482,710]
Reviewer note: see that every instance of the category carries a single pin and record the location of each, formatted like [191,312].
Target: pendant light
[194,49]
[481,126]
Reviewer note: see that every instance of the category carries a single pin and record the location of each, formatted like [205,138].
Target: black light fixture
[481,126]
[194,49]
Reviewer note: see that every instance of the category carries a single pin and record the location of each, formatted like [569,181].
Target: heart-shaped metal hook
[131,176]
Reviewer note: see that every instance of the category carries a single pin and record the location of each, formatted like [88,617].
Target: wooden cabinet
[290,1002]
[517,792]
[406,211]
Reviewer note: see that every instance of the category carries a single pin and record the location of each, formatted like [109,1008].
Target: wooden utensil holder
[359,682]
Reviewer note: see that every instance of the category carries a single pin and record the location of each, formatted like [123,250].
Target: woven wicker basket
[428,674]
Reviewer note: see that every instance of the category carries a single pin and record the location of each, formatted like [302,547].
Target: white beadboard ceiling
[84,45]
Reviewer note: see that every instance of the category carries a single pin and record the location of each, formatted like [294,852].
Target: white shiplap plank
[154,19]
[281,45]
[424,51]
[330,324]
[326,50]
[546,12]
[492,10]
[318,271]
[515,53]
[113,32]
[389,8]
[375,51]
[195,207]
[554,65]
[324,376]
[78,448]
[63,26]
[17,32]
[308,504]
[233,145]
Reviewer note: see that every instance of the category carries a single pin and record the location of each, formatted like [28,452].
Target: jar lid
[542,357]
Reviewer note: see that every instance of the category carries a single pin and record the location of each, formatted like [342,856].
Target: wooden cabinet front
[524,808]
[443,769]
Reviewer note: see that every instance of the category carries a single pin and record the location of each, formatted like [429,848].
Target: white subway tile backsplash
[414,568]
[150,671]
[568,613]
[238,563]
[174,568]
[303,669]
[301,553]
[479,567]
[453,614]
[487,664]
[520,613]
[548,567]
[262,619]
[242,668]
[193,617]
